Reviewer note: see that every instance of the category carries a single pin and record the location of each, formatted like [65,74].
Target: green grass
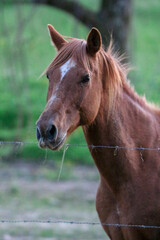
[26,51]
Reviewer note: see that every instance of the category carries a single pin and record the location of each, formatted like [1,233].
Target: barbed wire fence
[21,143]
[74,222]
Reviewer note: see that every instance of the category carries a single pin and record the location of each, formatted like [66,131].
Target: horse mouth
[52,145]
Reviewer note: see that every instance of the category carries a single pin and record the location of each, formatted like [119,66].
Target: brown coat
[88,88]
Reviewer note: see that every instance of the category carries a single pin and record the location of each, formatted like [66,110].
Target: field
[32,192]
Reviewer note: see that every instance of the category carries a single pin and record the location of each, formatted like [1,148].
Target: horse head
[74,91]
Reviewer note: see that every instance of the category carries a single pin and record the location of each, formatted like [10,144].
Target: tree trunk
[115,18]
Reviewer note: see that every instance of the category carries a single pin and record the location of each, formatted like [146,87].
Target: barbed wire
[73,222]
[83,145]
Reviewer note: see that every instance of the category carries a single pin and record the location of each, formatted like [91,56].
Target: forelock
[76,50]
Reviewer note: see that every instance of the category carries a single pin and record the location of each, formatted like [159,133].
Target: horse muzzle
[50,138]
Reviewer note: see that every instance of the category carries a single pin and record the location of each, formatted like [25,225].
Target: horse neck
[118,166]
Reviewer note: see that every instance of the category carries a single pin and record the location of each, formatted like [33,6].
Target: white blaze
[63,69]
[51,100]
[66,67]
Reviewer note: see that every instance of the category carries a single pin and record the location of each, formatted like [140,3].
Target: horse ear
[56,38]
[94,41]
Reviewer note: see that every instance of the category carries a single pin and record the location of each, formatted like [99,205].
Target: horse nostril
[52,133]
[38,133]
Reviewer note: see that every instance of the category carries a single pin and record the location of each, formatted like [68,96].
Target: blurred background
[28,175]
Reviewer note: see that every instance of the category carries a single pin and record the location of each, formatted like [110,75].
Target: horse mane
[115,74]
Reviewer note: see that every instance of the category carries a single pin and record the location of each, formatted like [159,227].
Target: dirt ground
[32,192]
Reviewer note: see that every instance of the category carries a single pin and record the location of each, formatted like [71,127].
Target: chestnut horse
[88,88]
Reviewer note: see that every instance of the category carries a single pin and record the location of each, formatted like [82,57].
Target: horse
[88,87]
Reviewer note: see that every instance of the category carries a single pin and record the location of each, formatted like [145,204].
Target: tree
[112,18]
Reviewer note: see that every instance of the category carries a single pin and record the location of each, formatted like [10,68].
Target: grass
[26,51]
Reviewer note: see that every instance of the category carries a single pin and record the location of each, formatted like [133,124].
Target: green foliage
[146,49]
[26,51]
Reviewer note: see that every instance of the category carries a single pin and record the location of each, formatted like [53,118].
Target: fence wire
[83,145]
[74,222]
[79,223]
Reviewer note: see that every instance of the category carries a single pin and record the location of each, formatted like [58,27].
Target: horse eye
[47,76]
[85,79]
